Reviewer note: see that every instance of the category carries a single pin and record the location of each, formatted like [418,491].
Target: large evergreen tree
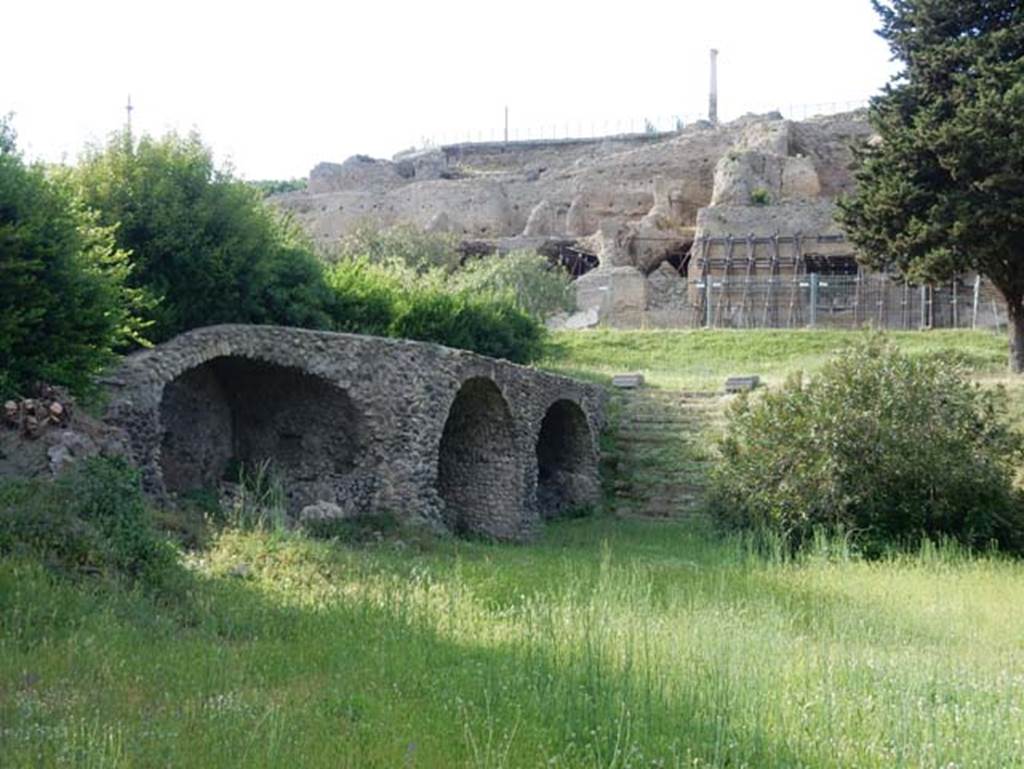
[943,192]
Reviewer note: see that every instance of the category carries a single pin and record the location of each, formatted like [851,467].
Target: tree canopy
[203,245]
[64,303]
[943,191]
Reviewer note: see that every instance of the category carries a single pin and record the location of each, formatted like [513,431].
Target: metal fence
[812,300]
[596,128]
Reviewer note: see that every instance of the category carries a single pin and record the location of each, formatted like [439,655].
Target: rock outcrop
[635,201]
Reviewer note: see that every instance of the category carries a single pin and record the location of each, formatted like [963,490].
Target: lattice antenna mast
[128,141]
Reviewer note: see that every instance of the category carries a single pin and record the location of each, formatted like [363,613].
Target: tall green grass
[607,644]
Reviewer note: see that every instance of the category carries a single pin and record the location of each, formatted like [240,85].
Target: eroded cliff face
[636,202]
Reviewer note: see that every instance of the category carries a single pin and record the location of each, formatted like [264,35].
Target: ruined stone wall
[489,190]
[439,436]
[633,203]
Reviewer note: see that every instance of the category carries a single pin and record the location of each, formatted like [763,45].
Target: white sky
[276,87]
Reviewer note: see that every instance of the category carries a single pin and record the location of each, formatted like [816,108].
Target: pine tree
[943,191]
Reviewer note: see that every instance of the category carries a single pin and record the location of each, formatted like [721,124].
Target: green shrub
[885,447]
[760,197]
[391,299]
[485,324]
[64,304]
[93,519]
[268,187]
[525,278]
[366,295]
[405,244]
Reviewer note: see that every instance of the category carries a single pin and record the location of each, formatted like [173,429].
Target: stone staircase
[657,453]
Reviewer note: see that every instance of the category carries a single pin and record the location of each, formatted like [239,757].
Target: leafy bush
[268,187]
[203,244]
[406,244]
[525,278]
[366,294]
[888,448]
[391,299]
[64,304]
[760,197]
[488,325]
[92,519]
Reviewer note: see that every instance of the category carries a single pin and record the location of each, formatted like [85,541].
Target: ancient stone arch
[232,412]
[440,437]
[566,460]
[477,470]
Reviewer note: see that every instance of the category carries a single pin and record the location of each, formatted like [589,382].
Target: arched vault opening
[566,461]
[233,412]
[478,473]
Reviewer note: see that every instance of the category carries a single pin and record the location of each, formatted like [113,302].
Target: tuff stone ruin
[360,425]
[653,210]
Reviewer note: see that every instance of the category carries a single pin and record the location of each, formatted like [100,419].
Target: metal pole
[812,316]
[709,318]
[977,295]
[924,306]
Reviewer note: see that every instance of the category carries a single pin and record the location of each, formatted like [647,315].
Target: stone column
[713,96]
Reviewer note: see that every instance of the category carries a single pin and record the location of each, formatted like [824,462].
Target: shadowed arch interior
[236,411]
[566,461]
[478,473]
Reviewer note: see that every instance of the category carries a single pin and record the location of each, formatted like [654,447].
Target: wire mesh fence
[812,300]
[582,128]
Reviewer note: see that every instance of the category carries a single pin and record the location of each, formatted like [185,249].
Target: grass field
[607,643]
[701,360]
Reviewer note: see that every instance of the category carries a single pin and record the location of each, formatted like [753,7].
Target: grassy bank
[702,360]
[608,644]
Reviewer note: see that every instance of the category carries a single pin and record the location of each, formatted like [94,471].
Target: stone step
[671,495]
[658,419]
[681,418]
[667,395]
[666,440]
[669,408]
[666,463]
[684,510]
[655,425]
[659,463]
[668,486]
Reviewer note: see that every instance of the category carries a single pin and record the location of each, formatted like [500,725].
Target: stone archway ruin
[476,471]
[437,437]
[566,461]
[236,411]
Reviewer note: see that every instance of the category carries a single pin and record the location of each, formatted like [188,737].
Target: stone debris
[42,436]
[628,381]
[30,416]
[739,384]
[324,511]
